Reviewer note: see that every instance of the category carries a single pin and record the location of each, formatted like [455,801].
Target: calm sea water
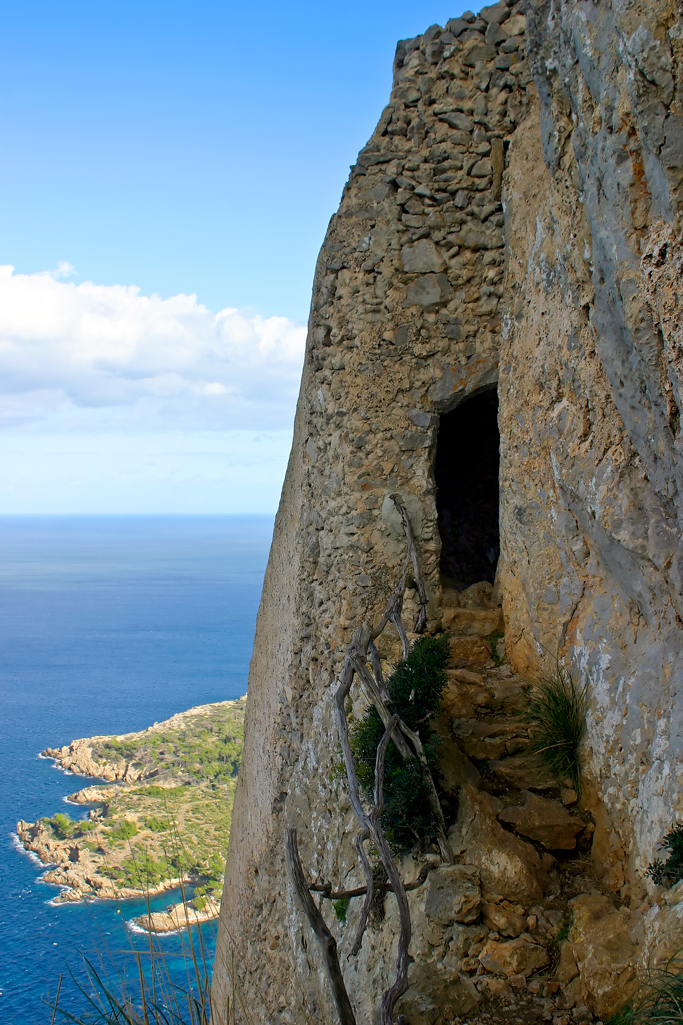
[106,625]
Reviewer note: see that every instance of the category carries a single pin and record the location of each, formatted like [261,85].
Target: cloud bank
[104,358]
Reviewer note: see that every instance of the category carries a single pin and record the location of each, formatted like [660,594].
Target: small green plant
[669,871]
[341,908]
[415,690]
[493,641]
[557,716]
[157,825]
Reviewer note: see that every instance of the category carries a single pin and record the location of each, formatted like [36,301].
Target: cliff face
[591,371]
[513,225]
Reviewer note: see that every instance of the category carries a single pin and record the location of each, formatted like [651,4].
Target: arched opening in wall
[467,495]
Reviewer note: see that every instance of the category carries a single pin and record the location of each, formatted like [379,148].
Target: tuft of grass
[669,871]
[415,690]
[659,1000]
[557,716]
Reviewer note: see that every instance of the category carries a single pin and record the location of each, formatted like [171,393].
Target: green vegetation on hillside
[205,748]
[174,821]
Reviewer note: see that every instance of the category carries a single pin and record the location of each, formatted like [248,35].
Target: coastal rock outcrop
[164,823]
[495,337]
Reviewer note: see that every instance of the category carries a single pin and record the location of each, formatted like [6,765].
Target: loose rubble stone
[436,996]
[497,989]
[453,894]
[567,968]
[506,922]
[543,820]
[520,956]
[606,956]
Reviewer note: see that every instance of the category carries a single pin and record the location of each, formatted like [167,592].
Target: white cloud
[95,358]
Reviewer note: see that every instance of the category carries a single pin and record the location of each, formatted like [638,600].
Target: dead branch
[395,601]
[398,623]
[372,691]
[415,559]
[371,823]
[328,944]
[359,891]
[377,670]
[369,890]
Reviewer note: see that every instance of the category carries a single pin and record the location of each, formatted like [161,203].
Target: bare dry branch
[369,890]
[372,692]
[395,601]
[328,944]
[398,623]
[359,891]
[376,813]
[377,670]
[415,559]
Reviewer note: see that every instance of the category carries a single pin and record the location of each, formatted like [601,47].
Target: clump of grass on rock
[659,1000]
[415,689]
[557,716]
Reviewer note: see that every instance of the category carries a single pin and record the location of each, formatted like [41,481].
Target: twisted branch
[415,559]
[359,891]
[328,944]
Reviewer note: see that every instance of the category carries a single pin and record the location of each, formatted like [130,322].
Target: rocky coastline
[159,815]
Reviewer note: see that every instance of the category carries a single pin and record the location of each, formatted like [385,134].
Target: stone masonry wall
[513,222]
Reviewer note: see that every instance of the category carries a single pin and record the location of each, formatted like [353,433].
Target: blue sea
[107,624]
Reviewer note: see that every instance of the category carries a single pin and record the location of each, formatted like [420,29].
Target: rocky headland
[160,820]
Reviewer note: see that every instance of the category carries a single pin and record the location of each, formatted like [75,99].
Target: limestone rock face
[514,223]
[508,865]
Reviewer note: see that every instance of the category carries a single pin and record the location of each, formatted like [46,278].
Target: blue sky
[184,149]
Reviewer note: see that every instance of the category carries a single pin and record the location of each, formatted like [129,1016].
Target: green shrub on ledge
[670,871]
[415,689]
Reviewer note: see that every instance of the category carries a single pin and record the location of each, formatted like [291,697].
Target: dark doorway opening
[467,499]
